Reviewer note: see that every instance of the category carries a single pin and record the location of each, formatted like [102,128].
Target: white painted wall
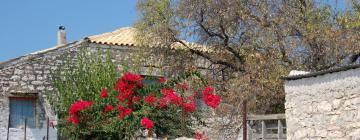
[324,107]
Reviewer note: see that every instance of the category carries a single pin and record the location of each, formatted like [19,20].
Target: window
[149,80]
[21,108]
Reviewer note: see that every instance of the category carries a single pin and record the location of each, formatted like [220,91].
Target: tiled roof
[126,36]
[122,36]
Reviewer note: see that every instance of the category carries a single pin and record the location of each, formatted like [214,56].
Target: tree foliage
[262,40]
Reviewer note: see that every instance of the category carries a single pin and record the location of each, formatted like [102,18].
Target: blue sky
[31,25]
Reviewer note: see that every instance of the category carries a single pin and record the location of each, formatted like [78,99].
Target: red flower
[208,90]
[108,108]
[162,80]
[135,99]
[167,91]
[103,93]
[196,93]
[73,119]
[182,86]
[121,98]
[212,100]
[189,107]
[124,112]
[199,136]
[78,106]
[150,99]
[125,95]
[162,102]
[169,97]
[131,77]
[173,98]
[147,123]
[121,85]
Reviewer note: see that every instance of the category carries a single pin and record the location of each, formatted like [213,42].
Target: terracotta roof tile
[121,36]
[126,36]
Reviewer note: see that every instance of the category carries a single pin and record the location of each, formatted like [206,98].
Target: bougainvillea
[78,106]
[200,136]
[170,97]
[73,119]
[182,86]
[162,80]
[103,93]
[108,108]
[131,77]
[211,99]
[150,99]
[124,111]
[135,100]
[147,123]
[190,106]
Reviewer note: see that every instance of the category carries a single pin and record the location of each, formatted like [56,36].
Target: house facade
[323,105]
[24,81]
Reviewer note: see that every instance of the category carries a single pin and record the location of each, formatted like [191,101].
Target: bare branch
[211,59]
[226,44]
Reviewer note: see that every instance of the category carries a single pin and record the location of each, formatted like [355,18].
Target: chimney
[61,36]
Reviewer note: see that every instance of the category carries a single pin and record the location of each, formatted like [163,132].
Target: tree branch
[226,44]
[211,59]
[206,30]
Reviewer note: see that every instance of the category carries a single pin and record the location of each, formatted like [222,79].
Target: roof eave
[319,73]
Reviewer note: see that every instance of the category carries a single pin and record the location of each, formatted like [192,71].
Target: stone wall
[324,107]
[31,134]
[30,75]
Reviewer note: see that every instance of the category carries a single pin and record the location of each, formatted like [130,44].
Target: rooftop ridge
[125,36]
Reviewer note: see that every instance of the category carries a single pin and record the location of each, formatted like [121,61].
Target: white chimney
[61,36]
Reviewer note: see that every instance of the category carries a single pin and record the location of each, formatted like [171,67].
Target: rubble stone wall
[324,107]
[30,75]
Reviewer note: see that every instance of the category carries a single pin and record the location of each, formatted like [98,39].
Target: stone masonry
[325,107]
[30,76]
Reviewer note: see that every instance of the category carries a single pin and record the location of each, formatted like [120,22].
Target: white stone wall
[31,134]
[325,107]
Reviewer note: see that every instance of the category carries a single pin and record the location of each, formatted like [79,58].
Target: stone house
[24,80]
[323,105]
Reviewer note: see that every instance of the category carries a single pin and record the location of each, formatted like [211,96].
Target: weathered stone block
[40,88]
[324,106]
[18,71]
[31,77]
[336,134]
[13,84]
[37,82]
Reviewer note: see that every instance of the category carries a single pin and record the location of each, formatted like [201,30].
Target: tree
[259,40]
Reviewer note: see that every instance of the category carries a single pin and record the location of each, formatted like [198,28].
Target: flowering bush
[94,102]
[135,101]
